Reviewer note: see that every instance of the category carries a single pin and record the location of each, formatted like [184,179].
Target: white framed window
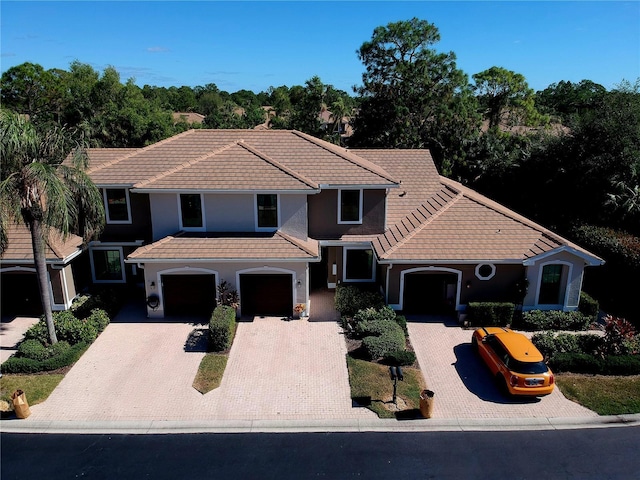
[485,271]
[552,285]
[191,210]
[267,211]
[117,206]
[107,265]
[359,264]
[349,206]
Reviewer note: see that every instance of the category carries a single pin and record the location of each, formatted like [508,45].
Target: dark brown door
[427,293]
[266,294]
[189,294]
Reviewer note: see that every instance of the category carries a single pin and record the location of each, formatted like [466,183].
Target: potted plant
[298,310]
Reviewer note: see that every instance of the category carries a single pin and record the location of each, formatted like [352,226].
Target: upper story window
[116,205]
[551,285]
[267,211]
[191,217]
[349,206]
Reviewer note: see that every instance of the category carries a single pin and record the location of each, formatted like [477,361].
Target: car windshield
[527,367]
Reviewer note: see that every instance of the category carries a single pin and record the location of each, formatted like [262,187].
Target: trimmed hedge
[484,314]
[222,327]
[551,344]
[375,327]
[349,299]
[400,357]
[391,341]
[108,299]
[584,363]
[65,357]
[534,320]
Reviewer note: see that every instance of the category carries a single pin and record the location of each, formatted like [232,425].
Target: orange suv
[517,364]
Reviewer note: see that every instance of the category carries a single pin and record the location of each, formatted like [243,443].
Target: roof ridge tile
[277,164]
[346,155]
[138,150]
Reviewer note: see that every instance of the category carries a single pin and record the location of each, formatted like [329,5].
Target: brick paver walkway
[462,384]
[139,370]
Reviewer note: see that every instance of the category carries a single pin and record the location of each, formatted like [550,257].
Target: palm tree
[37,189]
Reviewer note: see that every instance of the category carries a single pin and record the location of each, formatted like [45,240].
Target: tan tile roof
[57,248]
[458,224]
[227,168]
[417,173]
[310,158]
[188,117]
[228,246]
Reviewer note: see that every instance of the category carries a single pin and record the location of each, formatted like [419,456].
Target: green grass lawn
[605,395]
[36,387]
[371,381]
[210,372]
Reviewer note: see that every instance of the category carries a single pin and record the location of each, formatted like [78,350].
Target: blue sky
[254,45]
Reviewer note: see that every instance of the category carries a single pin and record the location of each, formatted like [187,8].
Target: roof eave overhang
[310,191]
[589,260]
[430,261]
[222,260]
[335,186]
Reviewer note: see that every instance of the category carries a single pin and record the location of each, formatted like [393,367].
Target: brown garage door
[20,294]
[266,295]
[189,294]
[429,293]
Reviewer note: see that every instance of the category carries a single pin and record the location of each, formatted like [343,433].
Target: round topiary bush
[34,350]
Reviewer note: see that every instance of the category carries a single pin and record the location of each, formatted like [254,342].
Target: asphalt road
[610,453]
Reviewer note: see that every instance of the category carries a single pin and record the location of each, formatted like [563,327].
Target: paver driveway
[462,384]
[139,370]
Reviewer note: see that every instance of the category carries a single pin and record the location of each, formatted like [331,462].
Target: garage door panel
[189,294]
[20,294]
[266,294]
[428,293]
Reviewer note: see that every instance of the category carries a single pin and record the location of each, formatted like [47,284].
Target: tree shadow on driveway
[478,379]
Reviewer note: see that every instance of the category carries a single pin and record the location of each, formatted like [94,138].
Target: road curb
[153,427]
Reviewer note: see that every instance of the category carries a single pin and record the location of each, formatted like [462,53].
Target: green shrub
[590,343]
[222,327]
[621,365]
[401,357]
[377,347]
[376,328]
[402,321]
[68,328]
[38,331]
[72,330]
[34,350]
[484,314]
[66,355]
[575,363]
[589,306]
[553,320]
[99,319]
[107,299]
[567,343]
[545,342]
[349,299]
[371,313]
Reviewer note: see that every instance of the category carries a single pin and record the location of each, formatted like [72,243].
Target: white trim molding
[128,221]
[488,277]
[157,288]
[105,247]
[565,282]
[266,270]
[258,228]
[345,249]
[203,214]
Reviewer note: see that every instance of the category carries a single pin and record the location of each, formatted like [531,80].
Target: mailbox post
[396,374]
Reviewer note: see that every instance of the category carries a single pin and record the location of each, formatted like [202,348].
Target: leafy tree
[567,100]
[307,104]
[412,95]
[31,90]
[505,96]
[38,190]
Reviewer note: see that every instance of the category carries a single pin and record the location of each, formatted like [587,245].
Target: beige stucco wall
[228,213]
